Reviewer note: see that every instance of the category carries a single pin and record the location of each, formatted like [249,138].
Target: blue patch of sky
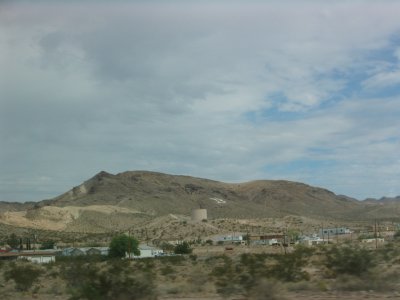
[385,56]
[353,78]
[273,113]
[299,168]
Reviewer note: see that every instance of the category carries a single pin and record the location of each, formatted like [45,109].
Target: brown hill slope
[159,194]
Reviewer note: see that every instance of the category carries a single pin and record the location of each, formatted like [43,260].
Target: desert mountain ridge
[108,201]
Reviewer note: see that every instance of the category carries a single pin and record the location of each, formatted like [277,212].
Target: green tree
[49,244]
[122,244]
[183,248]
[13,241]
[167,247]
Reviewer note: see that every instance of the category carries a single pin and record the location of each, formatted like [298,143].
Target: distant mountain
[383,200]
[106,200]
[15,206]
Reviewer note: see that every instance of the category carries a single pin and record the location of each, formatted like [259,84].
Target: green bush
[225,275]
[24,275]
[183,248]
[49,244]
[113,280]
[389,252]
[289,267]
[173,260]
[352,260]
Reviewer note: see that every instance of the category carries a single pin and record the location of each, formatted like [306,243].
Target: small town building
[37,256]
[267,240]
[230,239]
[72,252]
[333,231]
[373,240]
[147,251]
[40,257]
[312,240]
[85,251]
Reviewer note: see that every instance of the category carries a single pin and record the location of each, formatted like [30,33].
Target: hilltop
[109,202]
[160,194]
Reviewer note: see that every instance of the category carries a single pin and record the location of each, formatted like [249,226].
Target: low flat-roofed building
[37,256]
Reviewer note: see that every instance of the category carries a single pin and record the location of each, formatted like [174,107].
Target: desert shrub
[372,281]
[305,285]
[193,257]
[183,248]
[173,290]
[225,276]
[389,252]
[23,274]
[167,270]
[244,277]
[348,282]
[74,271]
[289,267]
[145,265]
[197,280]
[266,290]
[167,247]
[62,260]
[250,269]
[110,281]
[173,260]
[352,260]
[13,241]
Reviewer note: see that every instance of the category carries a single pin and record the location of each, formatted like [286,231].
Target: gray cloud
[171,87]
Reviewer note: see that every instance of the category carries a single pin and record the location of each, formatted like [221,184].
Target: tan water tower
[199,215]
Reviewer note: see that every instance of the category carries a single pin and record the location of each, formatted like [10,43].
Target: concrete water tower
[199,214]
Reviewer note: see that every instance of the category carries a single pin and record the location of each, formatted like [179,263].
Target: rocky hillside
[159,194]
[108,202]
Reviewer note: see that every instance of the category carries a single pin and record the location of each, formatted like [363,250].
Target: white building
[267,242]
[334,231]
[312,240]
[147,251]
[373,240]
[40,256]
[230,238]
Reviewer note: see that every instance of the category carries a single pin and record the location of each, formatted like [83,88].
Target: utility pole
[129,243]
[376,237]
[337,236]
[285,240]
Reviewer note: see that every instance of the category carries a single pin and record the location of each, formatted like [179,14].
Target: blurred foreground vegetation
[331,268]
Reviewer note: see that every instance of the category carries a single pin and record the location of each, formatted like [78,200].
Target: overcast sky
[305,91]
